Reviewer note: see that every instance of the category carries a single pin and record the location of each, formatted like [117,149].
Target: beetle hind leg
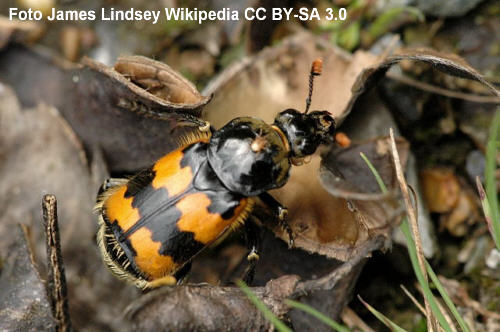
[110,183]
[107,189]
[167,280]
[253,240]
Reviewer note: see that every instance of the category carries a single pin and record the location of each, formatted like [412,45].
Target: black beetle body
[152,225]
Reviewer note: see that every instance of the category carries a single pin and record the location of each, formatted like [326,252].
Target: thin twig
[413,299]
[443,310]
[56,283]
[351,319]
[446,315]
[419,306]
[442,91]
[431,319]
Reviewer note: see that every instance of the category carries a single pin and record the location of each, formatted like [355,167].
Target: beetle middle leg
[281,212]
[253,241]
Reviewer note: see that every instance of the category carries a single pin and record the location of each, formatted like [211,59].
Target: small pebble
[493,259]
[475,164]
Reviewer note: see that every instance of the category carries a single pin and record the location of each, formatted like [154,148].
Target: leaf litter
[273,80]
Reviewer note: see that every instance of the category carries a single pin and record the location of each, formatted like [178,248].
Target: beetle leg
[182,274]
[110,183]
[252,236]
[281,212]
[164,281]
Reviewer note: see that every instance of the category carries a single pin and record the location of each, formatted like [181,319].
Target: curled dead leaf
[276,79]
[448,63]
[131,126]
[335,211]
[160,80]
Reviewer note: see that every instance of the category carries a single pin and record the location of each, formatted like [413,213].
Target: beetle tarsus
[252,236]
[205,127]
[291,237]
[282,213]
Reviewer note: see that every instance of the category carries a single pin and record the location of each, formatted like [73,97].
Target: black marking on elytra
[149,198]
[181,246]
[115,229]
[156,209]
[159,214]
[139,182]
[156,205]
[105,217]
[124,243]
[125,247]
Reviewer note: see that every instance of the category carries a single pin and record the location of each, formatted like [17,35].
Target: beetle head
[305,132]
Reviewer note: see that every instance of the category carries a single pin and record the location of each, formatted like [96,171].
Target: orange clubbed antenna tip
[317,67]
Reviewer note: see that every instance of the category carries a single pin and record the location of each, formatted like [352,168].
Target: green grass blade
[487,212]
[349,37]
[381,183]
[278,324]
[385,21]
[490,179]
[381,317]
[315,313]
[405,228]
[412,251]
[446,298]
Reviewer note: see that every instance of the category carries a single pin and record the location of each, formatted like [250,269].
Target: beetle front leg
[281,212]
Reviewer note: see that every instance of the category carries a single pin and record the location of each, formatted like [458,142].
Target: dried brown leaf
[208,308]
[334,212]
[276,79]
[160,80]
[39,153]
[23,301]
[105,109]
[18,31]
[448,63]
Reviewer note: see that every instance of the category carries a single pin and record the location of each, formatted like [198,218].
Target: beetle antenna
[316,68]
